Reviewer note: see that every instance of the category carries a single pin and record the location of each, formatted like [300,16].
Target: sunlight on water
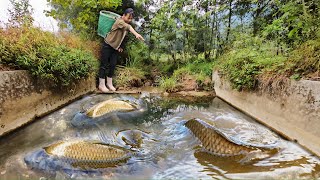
[163,147]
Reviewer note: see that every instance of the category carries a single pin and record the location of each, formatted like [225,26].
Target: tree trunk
[212,40]
[229,20]
[150,45]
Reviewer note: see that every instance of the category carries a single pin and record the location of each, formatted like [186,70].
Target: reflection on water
[164,148]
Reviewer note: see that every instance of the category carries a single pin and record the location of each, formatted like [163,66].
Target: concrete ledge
[293,111]
[23,98]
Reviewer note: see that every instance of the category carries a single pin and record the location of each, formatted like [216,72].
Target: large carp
[109,106]
[216,142]
[106,107]
[87,154]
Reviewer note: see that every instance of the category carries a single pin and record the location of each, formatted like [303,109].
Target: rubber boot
[102,85]
[109,84]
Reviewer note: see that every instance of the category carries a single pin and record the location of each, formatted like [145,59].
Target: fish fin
[50,148]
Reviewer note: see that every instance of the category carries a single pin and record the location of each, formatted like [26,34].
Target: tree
[21,13]
[294,22]
[81,16]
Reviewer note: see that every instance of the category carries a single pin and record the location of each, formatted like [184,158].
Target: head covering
[129,11]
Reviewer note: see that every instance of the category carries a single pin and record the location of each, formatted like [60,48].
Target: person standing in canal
[112,46]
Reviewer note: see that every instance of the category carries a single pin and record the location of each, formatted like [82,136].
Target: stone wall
[291,109]
[23,98]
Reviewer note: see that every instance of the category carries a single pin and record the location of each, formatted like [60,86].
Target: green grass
[247,63]
[244,63]
[200,70]
[169,84]
[129,77]
[305,60]
[45,55]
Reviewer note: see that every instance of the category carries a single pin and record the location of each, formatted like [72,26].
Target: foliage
[137,54]
[21,13]
[129,77]
[80,16]
[166,69]
[201,70]
[253,58]
[246,61]
[244,39]
[179,29]
[73,41]
[45,55]
[169,84]
[296,22]
[305,60]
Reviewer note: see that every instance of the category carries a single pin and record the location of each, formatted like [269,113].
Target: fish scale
[215,142]
[109,106]
[85,154]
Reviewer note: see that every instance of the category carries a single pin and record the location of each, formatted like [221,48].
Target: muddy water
[165,148]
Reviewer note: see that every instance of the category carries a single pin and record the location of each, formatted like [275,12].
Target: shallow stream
[167,149]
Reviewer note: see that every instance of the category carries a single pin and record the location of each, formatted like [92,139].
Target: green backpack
[106,20]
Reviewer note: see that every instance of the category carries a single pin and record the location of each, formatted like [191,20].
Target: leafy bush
[73,41]
[244,63]
[296,23]
[45,55]
[129,77]
[199,69]
[137,54]
[166,68]
[305,60]
[169,84]
[181,72]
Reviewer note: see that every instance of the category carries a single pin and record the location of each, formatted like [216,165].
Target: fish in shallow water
[87,154]
[109,106]
[134,138]
[103,108]
[215,142]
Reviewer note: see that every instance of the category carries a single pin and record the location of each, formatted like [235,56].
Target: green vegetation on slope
[247,63]
[60,58]
[45,55]
[247,59]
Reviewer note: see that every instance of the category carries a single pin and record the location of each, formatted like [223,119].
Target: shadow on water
[231,165]
[164,148]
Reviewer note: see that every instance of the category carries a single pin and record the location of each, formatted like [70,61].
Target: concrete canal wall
[23,98]
[293,111]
